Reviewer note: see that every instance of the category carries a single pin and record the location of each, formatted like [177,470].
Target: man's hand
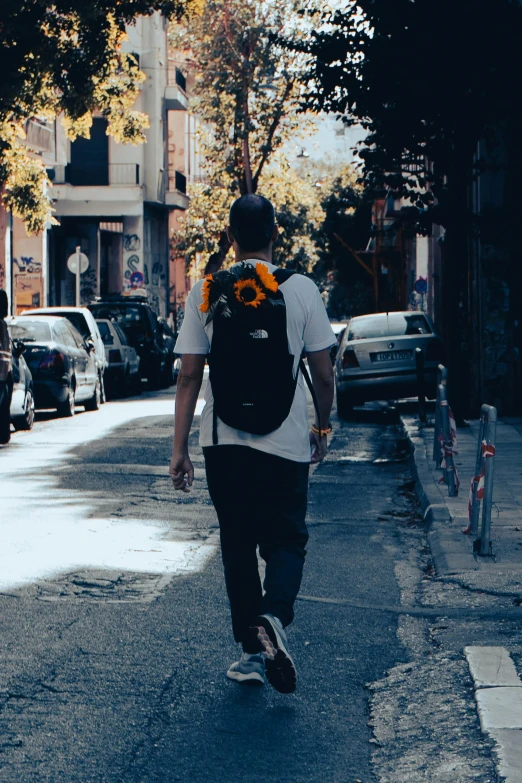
[319,447]
[181,471]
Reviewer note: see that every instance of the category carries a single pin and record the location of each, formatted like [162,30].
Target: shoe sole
[246,679]
[279,667]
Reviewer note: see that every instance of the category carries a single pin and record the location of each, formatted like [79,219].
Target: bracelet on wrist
[322,432]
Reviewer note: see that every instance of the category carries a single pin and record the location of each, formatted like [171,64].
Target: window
[372,327]
[31,331]
[105,333]
[121,334]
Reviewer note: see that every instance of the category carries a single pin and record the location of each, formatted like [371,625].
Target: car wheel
[344,405]
[26,421]
[94,402]
[5,417]
[67,408]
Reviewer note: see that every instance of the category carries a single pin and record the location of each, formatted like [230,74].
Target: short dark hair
[252,221]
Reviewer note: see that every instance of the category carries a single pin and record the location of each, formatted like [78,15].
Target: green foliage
[65,58]
[299,215]
[427,82]
[247,91]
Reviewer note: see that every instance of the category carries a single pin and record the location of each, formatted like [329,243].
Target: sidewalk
[447,517]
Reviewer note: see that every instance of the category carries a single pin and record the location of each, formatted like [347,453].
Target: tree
[428,83]
[247,89]
[299,215]
[65,58]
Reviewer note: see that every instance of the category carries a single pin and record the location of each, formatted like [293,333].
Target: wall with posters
[28,266]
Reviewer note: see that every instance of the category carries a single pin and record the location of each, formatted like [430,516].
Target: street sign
[137,279]
[72,263]
[421,285]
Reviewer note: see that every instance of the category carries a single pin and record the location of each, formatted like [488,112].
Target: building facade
[117,202]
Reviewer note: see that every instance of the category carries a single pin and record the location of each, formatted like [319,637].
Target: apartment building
[117,202]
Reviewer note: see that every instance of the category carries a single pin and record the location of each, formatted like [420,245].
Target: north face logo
[259,334]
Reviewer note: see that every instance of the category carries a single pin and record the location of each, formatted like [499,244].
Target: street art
[131,242]
[88,285]
[27,264]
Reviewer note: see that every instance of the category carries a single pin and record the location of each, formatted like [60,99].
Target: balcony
[176,191]
[176,89]
[106,189]
[98,175]
[40,136]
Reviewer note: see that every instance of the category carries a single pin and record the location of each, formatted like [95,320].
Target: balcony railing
[176,78]
[177,181]
[100,175]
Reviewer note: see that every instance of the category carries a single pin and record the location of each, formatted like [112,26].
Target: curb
[450,551]
[498,694]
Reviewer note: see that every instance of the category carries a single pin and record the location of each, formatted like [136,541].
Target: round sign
[72,263]
[137,279]
[421,285]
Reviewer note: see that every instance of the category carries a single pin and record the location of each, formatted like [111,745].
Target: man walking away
[254,322]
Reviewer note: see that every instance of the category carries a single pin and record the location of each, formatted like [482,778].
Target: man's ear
[230,235]
[275,233]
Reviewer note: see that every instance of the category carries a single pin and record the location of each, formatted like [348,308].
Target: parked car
[6,378]
[169,339]
[140,323]
[376,358]
[22,399]
[83,320]
[61,362]
[123,372]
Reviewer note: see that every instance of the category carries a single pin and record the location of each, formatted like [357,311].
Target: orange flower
[266,277]
[205,293]
[248,292]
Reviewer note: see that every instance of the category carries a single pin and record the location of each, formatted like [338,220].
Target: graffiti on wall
[27,264]
[131,242]
[88,285]
[2,275]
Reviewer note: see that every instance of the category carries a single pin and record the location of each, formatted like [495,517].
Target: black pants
[260,501]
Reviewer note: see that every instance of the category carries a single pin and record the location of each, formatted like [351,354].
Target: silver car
[376,358]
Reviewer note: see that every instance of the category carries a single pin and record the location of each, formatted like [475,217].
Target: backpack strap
[306,376]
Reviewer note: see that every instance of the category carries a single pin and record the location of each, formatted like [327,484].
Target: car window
[31,331]
[121,334]
[392,325]
[75,334]
[63,335]
[126,315]
[105,332]
[80,322]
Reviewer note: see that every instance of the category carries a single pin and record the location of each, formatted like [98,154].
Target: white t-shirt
[308,329]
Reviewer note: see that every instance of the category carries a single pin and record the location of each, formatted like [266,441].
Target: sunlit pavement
[47,529]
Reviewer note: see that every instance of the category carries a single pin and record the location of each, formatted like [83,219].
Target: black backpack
[251,368]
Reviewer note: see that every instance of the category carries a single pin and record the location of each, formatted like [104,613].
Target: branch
[271,133]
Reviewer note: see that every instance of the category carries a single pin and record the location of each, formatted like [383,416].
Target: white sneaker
[249,669]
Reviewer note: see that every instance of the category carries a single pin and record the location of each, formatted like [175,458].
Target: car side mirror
[89,343]
[18,348]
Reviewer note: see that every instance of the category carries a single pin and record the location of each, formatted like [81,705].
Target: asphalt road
[114,628]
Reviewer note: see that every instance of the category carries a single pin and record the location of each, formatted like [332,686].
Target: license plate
[392,356]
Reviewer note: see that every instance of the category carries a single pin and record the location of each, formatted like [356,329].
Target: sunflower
[205,292]
[248,292]
[267,278]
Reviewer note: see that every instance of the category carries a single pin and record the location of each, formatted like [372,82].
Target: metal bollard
[419,366]
[483,544]
[475,502]
[449,473]
[442,377]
